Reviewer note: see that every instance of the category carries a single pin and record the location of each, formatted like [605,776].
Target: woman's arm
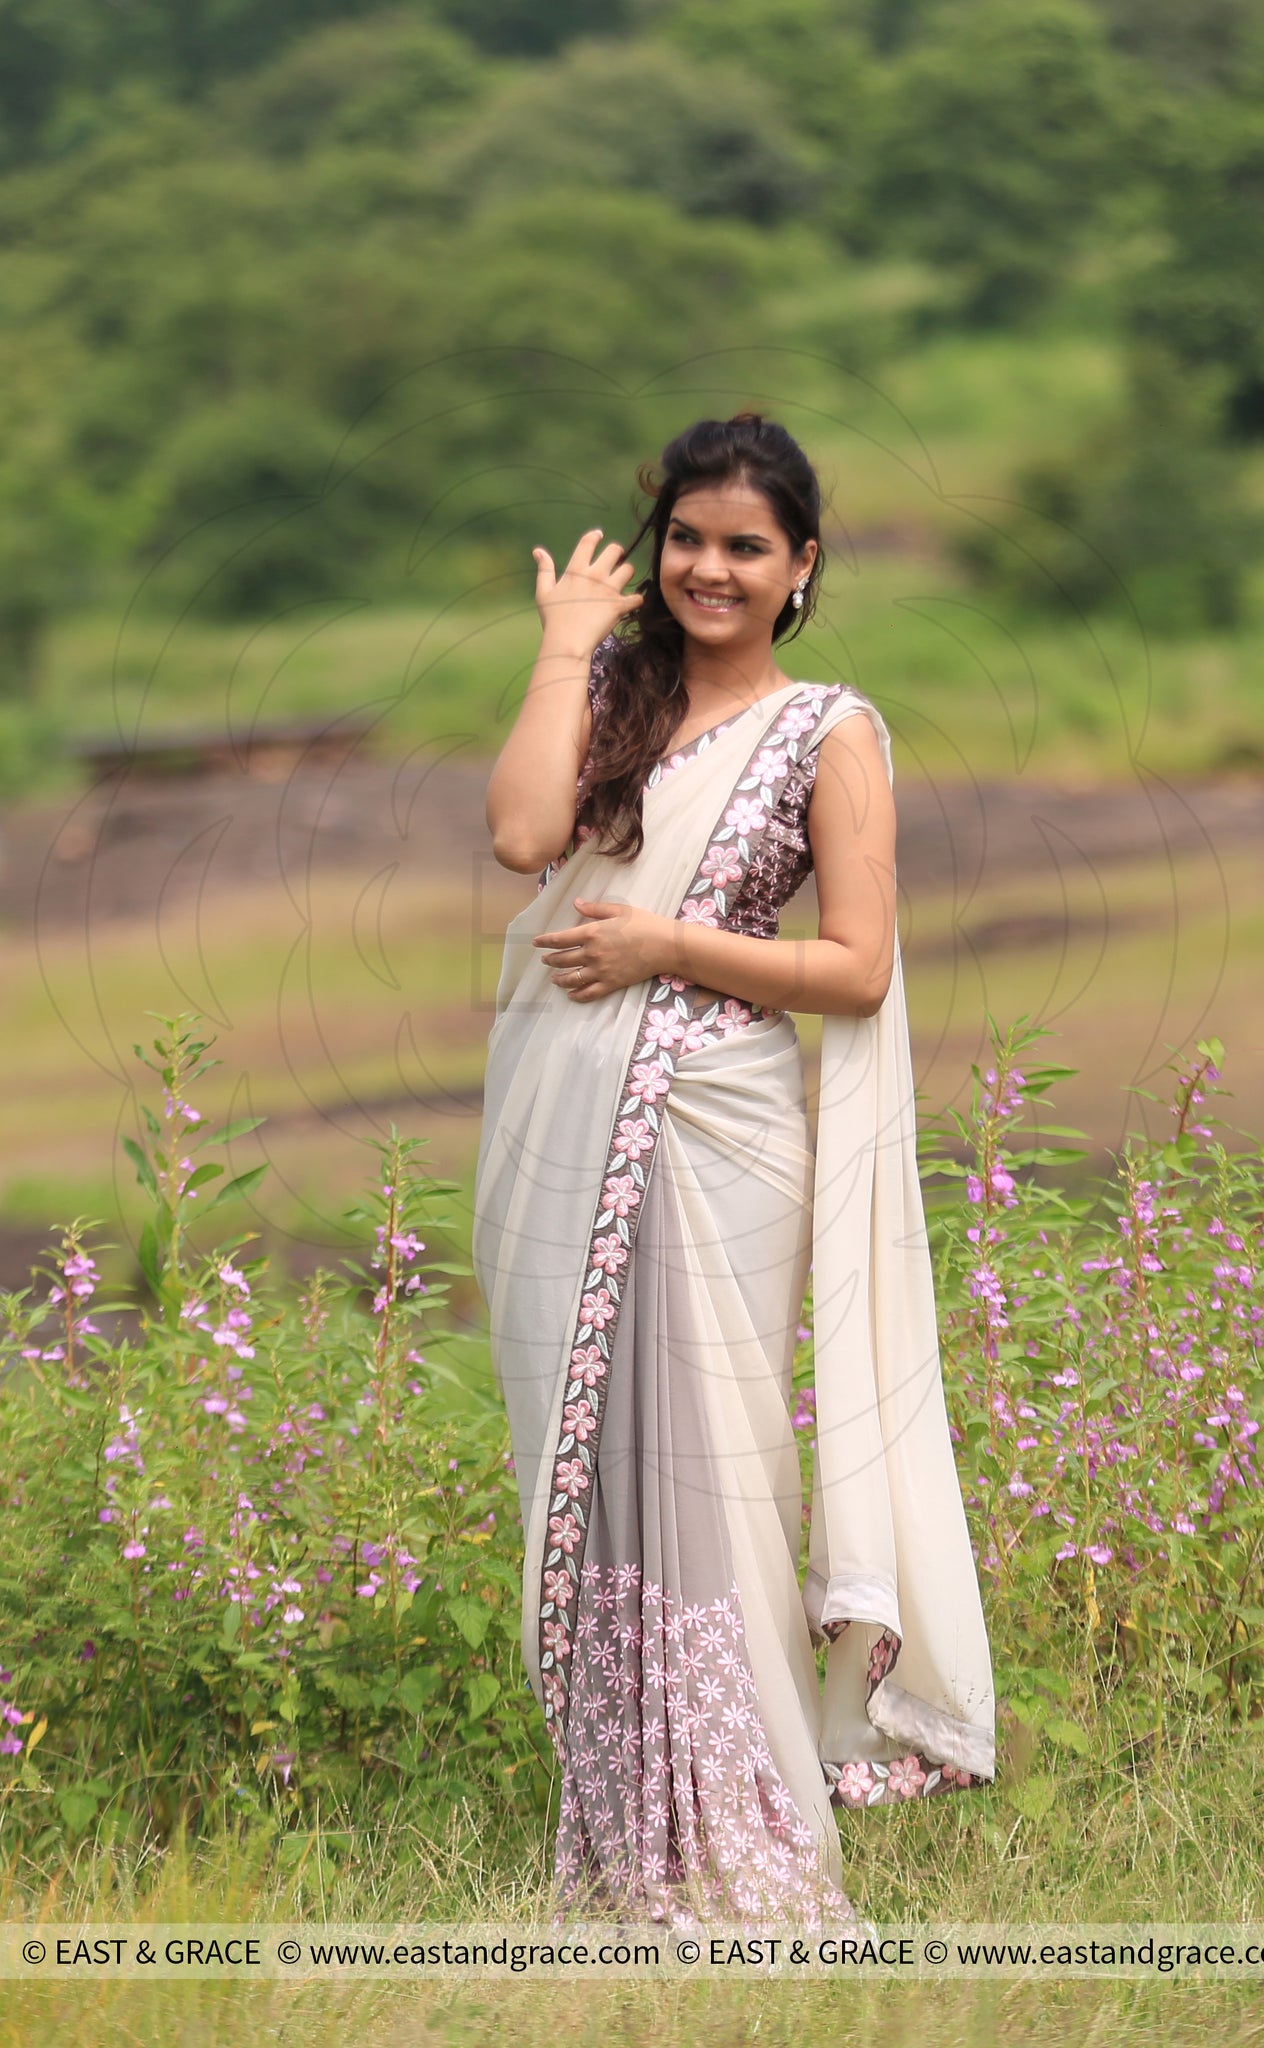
[844,973]
[531,794]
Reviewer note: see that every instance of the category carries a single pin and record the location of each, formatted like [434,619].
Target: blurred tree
[814,62]
[279,366]
[385,83]
[63,57]
[252,511]
[883,25]
[54,526]
[1193,45]
[508,28]
[998,135]
[32,77]
[1153,512]
[1204,297]
[635,117]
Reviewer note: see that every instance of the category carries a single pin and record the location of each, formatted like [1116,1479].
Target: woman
[649,1201]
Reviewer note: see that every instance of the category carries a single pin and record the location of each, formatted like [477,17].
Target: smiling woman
[649,1200]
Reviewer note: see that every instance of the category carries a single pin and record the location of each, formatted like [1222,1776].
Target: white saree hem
[850,1596]
[918,1726]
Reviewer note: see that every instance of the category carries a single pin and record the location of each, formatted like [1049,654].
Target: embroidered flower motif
[734,1016]
[571,1478]
[621,1194]
[633,1136]
[796,719]
[664,1027]
[609,1253]
[589,1364]
[579,1421]
[746,815]
[699,910]
[905,1777]
[565,1532]
[769,763]
[882,1657]
[855,1781]
[559,1587]
[721,865]
[556,1639]
[648,1081]
[597,1309]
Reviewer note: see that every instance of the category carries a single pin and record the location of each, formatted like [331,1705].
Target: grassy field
[1109,1839]
[969,689]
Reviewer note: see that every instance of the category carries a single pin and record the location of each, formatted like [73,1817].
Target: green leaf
[200,1178]
[237,1129]
[471,1617]
[1034,1796]
[147,1253]
[241,1186]
[417,1688]
[349,1691]
[481,1691]
[231,1622]
[1068,1734]
[77,1806]
[144,1171]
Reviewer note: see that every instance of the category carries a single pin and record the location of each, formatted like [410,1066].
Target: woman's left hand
[618,945]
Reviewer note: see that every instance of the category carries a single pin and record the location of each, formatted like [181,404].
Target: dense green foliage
[258,1545]
[309,301]
[270,1556]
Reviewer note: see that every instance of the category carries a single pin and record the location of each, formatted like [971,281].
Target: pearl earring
[796,595]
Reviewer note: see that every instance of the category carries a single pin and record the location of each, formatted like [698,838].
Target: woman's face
[724,543]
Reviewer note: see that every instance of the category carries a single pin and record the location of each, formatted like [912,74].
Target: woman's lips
[717,604]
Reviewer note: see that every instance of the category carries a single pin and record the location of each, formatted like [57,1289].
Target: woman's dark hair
[643,699]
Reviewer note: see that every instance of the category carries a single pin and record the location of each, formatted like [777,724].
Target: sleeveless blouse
[783,860]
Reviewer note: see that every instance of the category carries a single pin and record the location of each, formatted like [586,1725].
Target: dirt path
[129,844]
[133,848]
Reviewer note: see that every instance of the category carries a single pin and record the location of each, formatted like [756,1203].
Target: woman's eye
[747,547]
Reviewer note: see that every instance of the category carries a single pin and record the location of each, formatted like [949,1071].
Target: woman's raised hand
[587,600]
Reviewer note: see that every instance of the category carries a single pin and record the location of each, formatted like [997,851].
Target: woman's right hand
[588,599]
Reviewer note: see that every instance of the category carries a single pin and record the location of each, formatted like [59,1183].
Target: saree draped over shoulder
[649,1200]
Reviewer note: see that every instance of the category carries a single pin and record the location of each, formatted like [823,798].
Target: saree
[649,1201]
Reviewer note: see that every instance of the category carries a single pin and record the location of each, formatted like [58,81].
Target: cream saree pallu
[648,1201]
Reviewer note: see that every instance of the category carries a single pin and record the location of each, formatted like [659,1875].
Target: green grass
[969,689]
[1177,1841]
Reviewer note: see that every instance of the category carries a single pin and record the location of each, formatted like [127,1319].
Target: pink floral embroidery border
[916,1776]
[671,1024]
